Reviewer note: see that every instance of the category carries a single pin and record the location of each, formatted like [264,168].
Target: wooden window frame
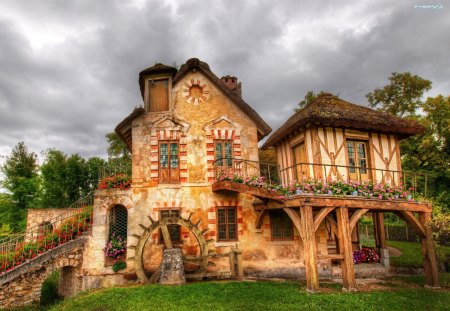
[160,237]
[289,238]
[226,208]
[168,142]
[223,141]
[158,78]
[367,151]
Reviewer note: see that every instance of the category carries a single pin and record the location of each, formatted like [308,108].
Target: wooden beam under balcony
[258,192]
[357,202]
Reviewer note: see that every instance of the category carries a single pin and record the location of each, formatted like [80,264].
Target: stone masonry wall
[22,285]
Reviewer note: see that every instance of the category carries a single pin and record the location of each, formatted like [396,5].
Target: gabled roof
[196,64]
[329,110]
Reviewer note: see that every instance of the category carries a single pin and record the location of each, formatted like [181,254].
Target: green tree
[54,175]
[403,96]
[93,167]
[309,97]
[119,157]
[21,179]
[76,178]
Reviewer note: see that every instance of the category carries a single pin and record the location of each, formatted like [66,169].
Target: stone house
[193,129]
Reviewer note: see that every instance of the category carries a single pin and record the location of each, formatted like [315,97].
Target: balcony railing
[413,182]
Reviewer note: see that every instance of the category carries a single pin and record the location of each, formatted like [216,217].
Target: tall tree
[402,96]
[54,175]
[21,179]
[76,177]
[93,167]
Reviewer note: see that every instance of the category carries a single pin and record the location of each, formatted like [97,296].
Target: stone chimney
[232,84]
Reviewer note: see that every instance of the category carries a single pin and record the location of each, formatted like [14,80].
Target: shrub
[120,265]
[49,291]
[365,255]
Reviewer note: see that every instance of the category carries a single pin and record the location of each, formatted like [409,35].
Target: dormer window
[158,95]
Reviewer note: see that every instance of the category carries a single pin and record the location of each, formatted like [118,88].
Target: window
[118,220]
[169,171]
[174,230]
[357,159]
[158,95]
[227,224]
[223,152]
[281,225]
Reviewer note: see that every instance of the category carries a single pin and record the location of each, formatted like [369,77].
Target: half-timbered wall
[326,151]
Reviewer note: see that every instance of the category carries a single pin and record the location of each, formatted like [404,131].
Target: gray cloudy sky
[68,69]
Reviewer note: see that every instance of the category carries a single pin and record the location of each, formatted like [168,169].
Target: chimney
[232,84]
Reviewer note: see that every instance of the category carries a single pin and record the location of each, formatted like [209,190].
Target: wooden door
[300,156]
[169,163]
[357,160]
[159,96]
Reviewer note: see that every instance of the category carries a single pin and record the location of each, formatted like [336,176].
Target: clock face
[195,91]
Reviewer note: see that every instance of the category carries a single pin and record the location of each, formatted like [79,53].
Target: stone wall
[22,285]
[36,217]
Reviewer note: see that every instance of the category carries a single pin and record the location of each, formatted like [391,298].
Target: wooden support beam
[331,256]
[379,230]
[345,246]
[356,216]
[295,217]
[321,216]
[429,255]
[309,249]
[357,202]
[411,220]
[260,218]
[166,236]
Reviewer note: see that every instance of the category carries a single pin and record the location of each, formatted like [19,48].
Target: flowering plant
[365,255]
[119,181]
[68,230]
[116,246]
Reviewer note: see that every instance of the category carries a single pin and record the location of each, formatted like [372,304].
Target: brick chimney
[232,84]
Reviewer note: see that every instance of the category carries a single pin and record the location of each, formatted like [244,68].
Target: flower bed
[116,246]
[67,231]
[367,189]
[365,255]
[119,181]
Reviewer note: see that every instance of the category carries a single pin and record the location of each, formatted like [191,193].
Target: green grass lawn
[411,253]
[252,296]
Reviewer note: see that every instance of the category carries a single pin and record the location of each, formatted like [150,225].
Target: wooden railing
[413,182]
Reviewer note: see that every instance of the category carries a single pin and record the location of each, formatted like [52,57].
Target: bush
[440,225]
[120,265]
[49,291]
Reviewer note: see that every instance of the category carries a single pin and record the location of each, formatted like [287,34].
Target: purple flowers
[365,255]
[116,246]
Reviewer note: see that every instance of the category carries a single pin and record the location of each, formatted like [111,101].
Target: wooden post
[240,267]
[429,255]
[380,233]
[345,246]
[232,263]
[309,249]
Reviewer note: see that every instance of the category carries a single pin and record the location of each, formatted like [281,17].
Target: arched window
[118,221]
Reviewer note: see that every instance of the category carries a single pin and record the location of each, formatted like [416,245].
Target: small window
[118,220]
[227,224]
[281,225]
[174,230]
[223,152]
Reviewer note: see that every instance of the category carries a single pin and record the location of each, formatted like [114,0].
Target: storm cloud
[68,69]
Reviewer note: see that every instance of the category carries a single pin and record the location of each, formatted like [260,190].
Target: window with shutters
[223,152]
[226,224]
[281,225]
[169,162]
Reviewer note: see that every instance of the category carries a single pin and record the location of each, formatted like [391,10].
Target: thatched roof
[329,110]
[194,64]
